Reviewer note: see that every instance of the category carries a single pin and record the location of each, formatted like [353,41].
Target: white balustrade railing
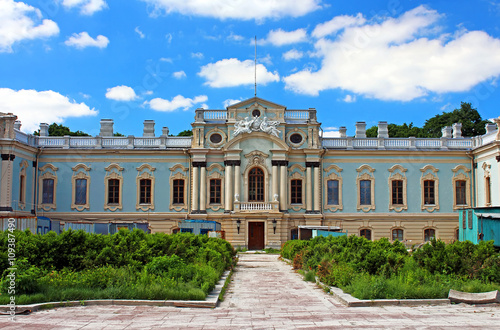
[255,206]
[334,142]
[51,141]
[215,114]
[397,143]
[22,137]
[296,114]
[428,143]
[146,142]
[460,143]
[365,143]
[179,142]
[82,142]
[114,142]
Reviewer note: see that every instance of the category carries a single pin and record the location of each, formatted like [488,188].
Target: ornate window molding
[365,172]
[48,171]
[398,173]
[461,173]
[178,172]
[333,173]
[366,232]
[80,172]
[487,183]
[113,172]
[429,233]
[145,171]
[296,172]
[215,171]
[256,159]
[22,185]
[296,131]
[429,173]
[397,233]
[216,130]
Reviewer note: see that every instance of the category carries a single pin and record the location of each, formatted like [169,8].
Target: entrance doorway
[255,235]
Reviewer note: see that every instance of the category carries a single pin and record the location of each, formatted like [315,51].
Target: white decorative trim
[178,172]
[145,171]
[429,172]
[296,130]
[461,173]
[334,175]
[113,172]
[256,159]
[398,174]
[80,171]
[219,131]
[487,182]
[365,172]
[48,171]
[21,204]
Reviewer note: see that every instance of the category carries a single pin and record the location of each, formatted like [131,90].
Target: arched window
[256,185]
[366,233]
[429,234]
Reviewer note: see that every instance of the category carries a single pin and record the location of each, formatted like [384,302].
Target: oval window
[256,113]
[215,138]
[296,138]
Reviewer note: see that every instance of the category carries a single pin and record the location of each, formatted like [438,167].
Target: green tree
[186,132]
[472,123]
[60,130]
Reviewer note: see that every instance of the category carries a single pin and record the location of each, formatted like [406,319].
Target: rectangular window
[81,191]
[296,191]
[48,191]
[460,192]
[21,189]
[429,192]
[145,190]
[365,192]
[487,184]
[397,234]
[429,234]
[397,192]
[178,188]
[333,192]
[215,191]
[113,191]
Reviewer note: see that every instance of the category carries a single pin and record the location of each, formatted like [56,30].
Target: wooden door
[255,235]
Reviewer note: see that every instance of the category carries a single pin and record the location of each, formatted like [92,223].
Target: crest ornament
[256,124]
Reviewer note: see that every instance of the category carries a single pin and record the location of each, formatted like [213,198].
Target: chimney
[446,131]
[490,128]
[360,129]
[149,128]
[17,125]
[106,127]
[44,129]
[457,130]
[383,132]
[343,131]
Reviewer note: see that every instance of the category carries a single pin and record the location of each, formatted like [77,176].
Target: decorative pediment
[365,167]
[178,167]
[397,167]
[146,166]
[81,166]
[429,168]
[113,166]
[46,167]
[333,167]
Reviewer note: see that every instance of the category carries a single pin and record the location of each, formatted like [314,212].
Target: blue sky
[77,61]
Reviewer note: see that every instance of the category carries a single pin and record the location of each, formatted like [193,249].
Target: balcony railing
[257,207]
[401,143]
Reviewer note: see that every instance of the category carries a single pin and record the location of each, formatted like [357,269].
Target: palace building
[260,170]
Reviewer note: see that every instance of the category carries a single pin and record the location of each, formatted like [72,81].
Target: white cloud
[334,134]
[121,93]
[83,40]
[19,21]
[349,98]
[232,72]
[139,32]
[179,74]
[398,59]
[280,37]
[239,9]
[235,37]
[336,24]
[169,37]
[293,54]
[87,7]
[446,107]
[33,107]
[178,102]
[166,59]
[197,55]
[229,102]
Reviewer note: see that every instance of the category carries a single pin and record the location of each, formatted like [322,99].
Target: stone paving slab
[264,294]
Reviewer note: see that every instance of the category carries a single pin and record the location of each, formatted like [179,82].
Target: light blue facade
[257,168]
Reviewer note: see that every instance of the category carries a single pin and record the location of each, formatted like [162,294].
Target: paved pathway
[264,294]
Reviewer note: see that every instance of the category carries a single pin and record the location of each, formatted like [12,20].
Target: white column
[237,181]
[203,188]
[194,199]
[309,195]
[275,181]
[316,189]
[229,185]
[283,185]
[6,186]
